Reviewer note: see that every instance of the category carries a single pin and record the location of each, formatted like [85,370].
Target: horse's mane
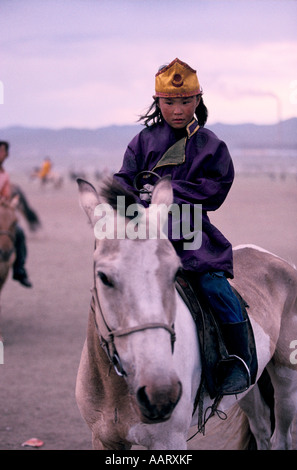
[110,190]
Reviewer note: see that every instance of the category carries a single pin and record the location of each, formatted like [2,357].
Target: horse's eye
[105,279]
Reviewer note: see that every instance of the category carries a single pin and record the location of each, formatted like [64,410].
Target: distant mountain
[77,149]
[69,148]
[282,135]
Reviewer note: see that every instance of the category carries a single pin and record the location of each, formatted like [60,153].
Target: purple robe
[201,171]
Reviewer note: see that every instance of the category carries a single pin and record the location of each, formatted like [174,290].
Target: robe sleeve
[209,181]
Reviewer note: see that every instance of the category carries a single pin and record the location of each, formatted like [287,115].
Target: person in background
[45,170]
[19,271]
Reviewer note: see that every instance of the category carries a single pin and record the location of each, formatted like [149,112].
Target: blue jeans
[215,287]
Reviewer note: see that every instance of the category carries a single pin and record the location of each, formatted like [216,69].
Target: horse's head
[135,267]
[8,220]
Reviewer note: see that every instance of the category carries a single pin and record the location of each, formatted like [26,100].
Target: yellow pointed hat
[176,80]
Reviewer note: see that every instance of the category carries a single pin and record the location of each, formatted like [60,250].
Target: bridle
[107,335]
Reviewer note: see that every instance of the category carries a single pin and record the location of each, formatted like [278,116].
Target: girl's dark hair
[154,115]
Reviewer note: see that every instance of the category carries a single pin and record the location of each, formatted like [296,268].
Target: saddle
[212,346]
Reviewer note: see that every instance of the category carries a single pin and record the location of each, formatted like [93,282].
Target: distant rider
[19,271]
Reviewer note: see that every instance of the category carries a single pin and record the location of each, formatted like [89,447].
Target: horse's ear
[163,192]
[88,198]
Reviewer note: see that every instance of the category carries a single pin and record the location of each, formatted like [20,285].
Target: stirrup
[225,368]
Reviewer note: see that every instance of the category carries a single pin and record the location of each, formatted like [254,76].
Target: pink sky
[90,63]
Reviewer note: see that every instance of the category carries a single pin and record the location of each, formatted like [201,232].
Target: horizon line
[218,123]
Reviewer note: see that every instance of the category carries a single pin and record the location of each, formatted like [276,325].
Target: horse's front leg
[110,444]
[174,442]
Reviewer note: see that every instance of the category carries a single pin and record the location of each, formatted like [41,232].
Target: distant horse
[147,398]
[54,178]
[8,220]
[74,175]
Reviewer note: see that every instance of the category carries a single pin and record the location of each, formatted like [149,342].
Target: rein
[107,335]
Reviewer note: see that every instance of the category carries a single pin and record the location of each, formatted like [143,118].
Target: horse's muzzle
[156,404]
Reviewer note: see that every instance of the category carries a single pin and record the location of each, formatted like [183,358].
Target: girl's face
[178,112]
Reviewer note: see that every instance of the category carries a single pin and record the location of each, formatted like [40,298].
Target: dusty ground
[44,327]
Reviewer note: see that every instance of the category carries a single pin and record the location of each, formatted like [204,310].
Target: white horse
[133,312]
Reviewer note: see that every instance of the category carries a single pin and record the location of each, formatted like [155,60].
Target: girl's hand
[146,192]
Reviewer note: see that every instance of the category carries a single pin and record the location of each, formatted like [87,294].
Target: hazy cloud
[89,63]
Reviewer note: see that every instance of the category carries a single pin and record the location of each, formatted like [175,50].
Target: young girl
[174,142]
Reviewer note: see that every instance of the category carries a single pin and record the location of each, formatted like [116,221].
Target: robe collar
[176,154]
